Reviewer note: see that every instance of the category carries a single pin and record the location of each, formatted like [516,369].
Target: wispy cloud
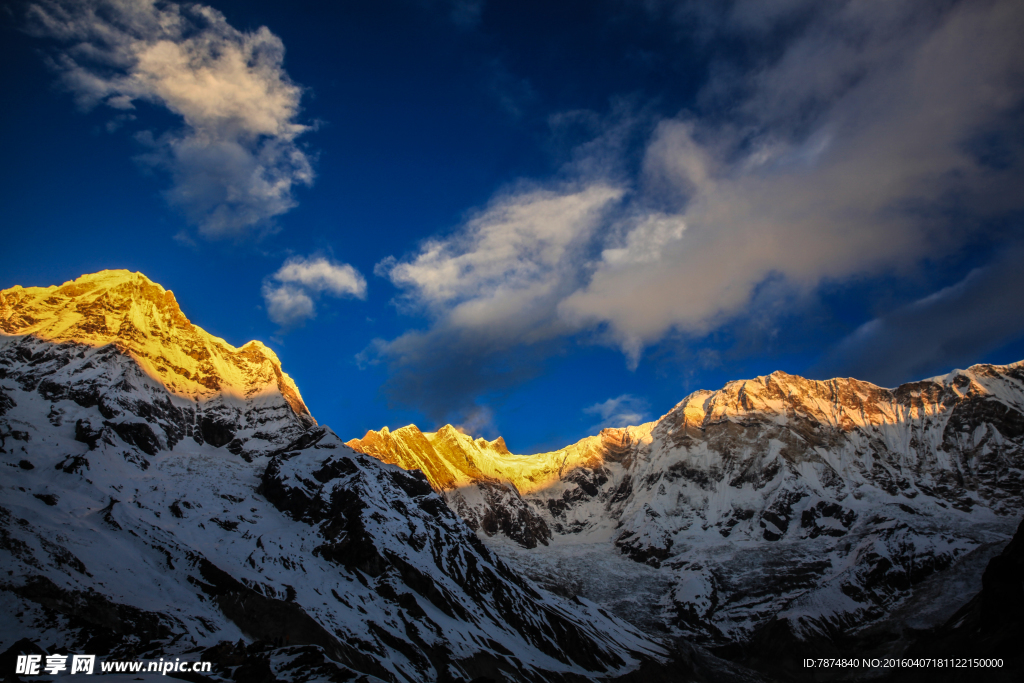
[513,94]
[479,422]
[290,292]
[463,13]
[855,150]
[235,162]
[622,411]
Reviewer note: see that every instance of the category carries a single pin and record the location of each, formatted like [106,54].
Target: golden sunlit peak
[108,279]
[144,320]
[451,459]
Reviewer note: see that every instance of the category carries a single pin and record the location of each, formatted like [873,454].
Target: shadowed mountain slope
[167,495]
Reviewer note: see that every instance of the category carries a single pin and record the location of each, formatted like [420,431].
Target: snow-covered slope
[167,495]
[781,502]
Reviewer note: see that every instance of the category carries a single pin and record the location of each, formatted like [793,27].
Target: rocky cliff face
[810,507]
[167,495]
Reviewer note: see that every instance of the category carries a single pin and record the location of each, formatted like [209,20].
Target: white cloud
[502,274]
[290,292]
[490,289]
[235,162]
[622,411]
[853,145]
[321,275]
[288,305]
[646,241]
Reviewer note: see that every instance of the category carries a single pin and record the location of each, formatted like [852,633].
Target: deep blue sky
[565,214]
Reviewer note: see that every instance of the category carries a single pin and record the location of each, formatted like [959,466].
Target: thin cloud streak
[235,162]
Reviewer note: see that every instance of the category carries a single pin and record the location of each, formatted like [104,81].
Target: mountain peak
[144,320]
[451,458]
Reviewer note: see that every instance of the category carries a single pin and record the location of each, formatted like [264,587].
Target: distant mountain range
[816,508]
[169,495]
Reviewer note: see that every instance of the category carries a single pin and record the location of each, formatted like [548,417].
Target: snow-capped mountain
[775,506]
[168,495]
[71,342]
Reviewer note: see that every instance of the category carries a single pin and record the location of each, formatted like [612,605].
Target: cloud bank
[290,293]
[854,148]
[235,162]
[846,154]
